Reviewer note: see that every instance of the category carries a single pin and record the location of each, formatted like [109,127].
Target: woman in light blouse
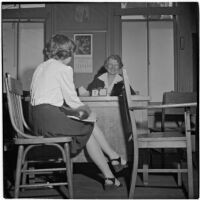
[52,87]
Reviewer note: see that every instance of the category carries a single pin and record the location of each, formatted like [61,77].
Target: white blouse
[52,83]
[104,78]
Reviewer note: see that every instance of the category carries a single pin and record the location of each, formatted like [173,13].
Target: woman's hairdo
[114,57]
[60,47]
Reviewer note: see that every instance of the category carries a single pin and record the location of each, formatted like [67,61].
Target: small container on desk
[95,92]
[103,92]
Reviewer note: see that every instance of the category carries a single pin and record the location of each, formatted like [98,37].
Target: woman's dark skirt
[52,121]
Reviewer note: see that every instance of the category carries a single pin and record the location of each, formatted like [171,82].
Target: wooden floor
[88,185]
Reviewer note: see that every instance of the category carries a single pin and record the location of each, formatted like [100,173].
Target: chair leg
[69,171]
[134,174]
[163,158]
[146,158]
[72,168]
[31,176]
[24,176]
[145,174]
[18,170]
[179,175]
[190,171]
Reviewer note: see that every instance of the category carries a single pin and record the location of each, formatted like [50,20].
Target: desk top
[107,98]
[113,98]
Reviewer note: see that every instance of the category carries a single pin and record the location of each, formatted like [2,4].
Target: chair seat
[42,140]
[162,140]
[168,129]
[162,135]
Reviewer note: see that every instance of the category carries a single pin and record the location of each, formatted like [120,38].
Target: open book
[91,118]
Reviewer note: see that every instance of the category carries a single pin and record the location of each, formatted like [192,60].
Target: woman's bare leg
[99,136]
[96,154]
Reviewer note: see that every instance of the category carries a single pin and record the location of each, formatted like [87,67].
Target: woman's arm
[95,84]
[68,88]
[76,107]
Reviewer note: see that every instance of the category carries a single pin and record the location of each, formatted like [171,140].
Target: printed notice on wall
[83,55]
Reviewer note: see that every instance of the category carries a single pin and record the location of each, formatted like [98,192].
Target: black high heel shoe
[112,185]
[119,167]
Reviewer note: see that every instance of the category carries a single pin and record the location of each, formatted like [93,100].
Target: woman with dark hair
[52,89]
[110,79]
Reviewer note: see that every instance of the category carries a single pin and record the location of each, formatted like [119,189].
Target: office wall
[187,24]
[31,42]
[9,48]
[84,18]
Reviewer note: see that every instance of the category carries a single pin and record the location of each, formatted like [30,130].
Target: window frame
[116,40]
[147,20]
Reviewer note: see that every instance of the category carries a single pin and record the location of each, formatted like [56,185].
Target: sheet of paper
[92,118]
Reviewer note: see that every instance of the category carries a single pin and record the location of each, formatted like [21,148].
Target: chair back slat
[178,97]
[127,87]
[13,107]
[15,86]
[129,104]
[18,113]
[14,95]
[176,114]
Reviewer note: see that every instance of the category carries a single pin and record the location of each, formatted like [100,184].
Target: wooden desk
[111,123]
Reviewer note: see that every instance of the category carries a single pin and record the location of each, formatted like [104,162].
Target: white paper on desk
[92,118]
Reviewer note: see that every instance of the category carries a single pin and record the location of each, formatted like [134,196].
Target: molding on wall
[84,31]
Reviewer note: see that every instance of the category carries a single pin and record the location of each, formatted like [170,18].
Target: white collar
[104,78]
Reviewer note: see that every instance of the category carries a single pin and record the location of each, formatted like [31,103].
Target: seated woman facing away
[110,79]
[52,87]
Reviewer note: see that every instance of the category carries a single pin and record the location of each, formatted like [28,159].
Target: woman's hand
[84,111]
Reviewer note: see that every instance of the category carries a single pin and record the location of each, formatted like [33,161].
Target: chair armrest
[179,105]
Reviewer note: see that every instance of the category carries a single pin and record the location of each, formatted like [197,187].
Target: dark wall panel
[80,17]
[71,19]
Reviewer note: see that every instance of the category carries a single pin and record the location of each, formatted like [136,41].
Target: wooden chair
[27,142]
[173,118]
[160,140]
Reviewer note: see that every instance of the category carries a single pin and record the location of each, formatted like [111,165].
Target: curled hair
[114,57]
[60,47]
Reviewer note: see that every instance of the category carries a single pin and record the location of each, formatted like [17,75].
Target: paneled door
[23,44]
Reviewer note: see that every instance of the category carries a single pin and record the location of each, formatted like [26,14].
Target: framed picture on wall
[84,44]
[83,57]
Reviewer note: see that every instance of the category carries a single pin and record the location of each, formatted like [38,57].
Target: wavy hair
[60,47]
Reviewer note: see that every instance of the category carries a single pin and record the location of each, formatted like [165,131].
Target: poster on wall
[83,55]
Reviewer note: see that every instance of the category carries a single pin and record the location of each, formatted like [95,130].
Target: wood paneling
[94,17]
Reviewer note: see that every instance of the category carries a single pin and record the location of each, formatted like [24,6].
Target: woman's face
[113,66]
